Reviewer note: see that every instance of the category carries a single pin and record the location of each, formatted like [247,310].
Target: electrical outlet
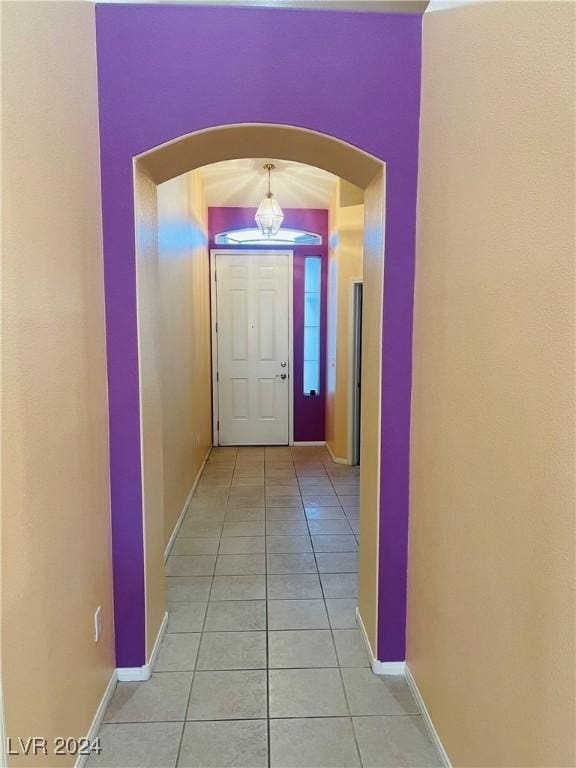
[97,623]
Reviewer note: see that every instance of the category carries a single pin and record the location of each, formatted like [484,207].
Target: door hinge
[216,326]
[218,426]
[217,376]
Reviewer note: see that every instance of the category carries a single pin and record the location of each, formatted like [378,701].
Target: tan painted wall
[284,142]
[371,404]
[346,226]
[332,320]
[174,357]
[491,570]
[151,419]
[56,564]
[185,338]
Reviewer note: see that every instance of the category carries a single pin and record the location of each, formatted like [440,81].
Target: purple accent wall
[309,412]
[167,70]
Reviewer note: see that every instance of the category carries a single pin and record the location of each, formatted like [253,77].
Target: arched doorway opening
[186,154]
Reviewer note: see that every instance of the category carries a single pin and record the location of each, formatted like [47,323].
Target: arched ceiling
[257,140]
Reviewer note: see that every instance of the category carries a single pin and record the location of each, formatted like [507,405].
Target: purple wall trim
[124,425]
[309,412]
[167,70]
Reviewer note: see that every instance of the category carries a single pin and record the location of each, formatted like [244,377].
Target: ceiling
[245,182]
[375,6]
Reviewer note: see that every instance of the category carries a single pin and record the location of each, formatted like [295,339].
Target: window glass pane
[311,376]
[312,274]
[312,282]
[311,342]
[311,309]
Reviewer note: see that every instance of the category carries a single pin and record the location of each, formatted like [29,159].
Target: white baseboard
[3,761]
[182,515]
[335,458]
[139,674]
[297,443]
[426,717]
[124,675]
[401,668]
[388,667]
[98,717]
[379,667]
[134,674]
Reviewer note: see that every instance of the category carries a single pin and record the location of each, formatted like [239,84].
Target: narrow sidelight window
[312,273]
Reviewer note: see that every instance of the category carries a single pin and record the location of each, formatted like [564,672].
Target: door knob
[283,365]
[281,376]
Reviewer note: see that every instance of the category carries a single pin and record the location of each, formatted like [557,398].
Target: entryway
[251,347]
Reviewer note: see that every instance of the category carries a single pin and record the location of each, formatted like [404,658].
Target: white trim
[443,5]
[134,674]
[182,515]
[379,667]
[3,761]
[354,281]
[426,717]
[214,348]
[159,638]
[138,674]
[297,443]
[98,717]
[214,341]
[334,458]
[291,347]
[388,667]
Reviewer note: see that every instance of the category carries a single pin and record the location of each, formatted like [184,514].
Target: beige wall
[185,338]
[56,564]
[174,358]
[332,320]
[345,254]
[151,422]
[370,418]
[491,568]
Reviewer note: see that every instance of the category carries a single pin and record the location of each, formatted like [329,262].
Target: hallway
[262,663]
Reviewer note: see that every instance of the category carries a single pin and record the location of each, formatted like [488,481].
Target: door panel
[252,313]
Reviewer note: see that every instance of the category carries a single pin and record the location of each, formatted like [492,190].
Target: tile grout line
[199,647]
[204,634]
[350,718]
[268,745]
[204,631]
[340,668]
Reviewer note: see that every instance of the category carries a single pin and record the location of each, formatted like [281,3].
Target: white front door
[253,344]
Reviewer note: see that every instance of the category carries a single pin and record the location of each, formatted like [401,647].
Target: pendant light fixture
[269,216]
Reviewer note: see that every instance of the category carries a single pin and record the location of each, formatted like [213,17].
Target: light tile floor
[262,663]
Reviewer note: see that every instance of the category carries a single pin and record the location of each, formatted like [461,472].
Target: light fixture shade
[269,216]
